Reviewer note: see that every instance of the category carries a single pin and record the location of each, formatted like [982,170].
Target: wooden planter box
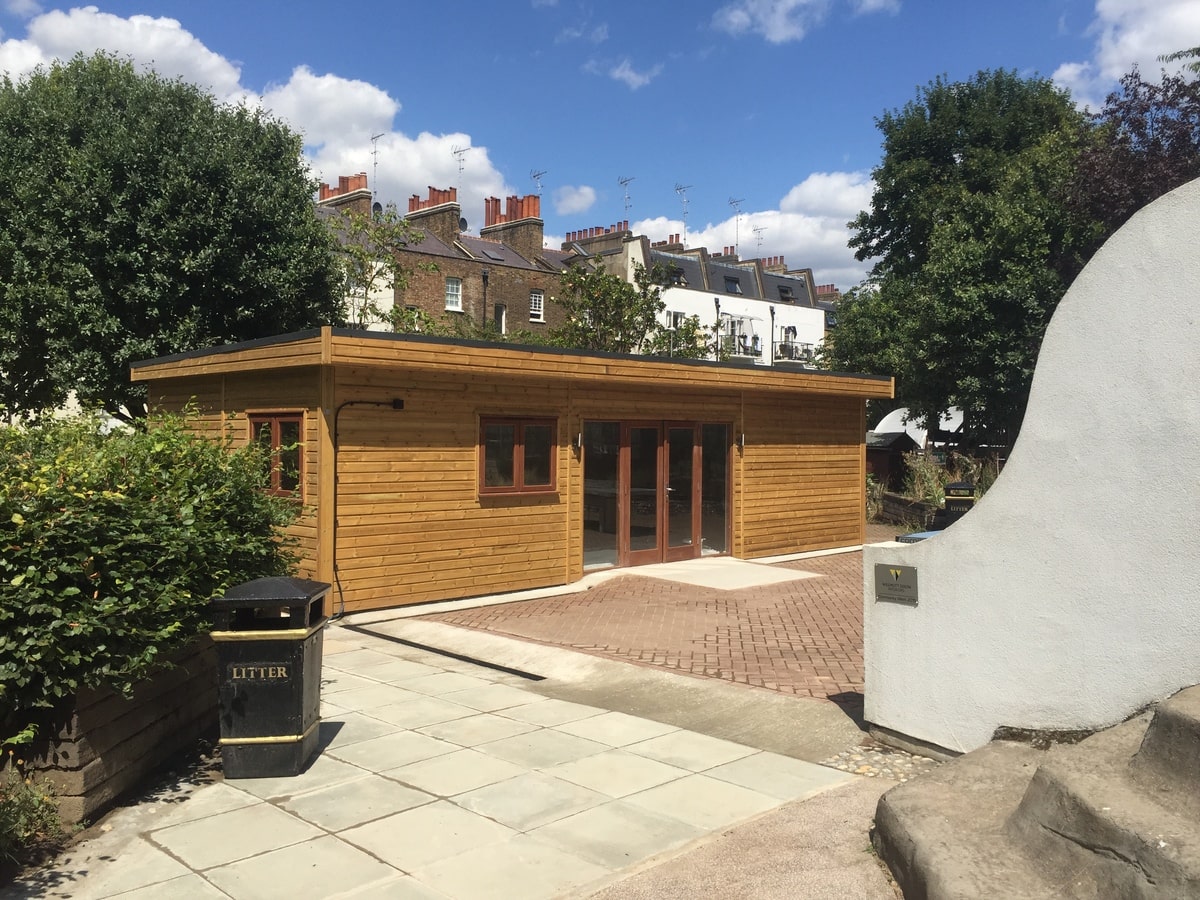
[109,744]
[902,510]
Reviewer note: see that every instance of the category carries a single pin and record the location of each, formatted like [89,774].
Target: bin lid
[960,489]
[278,590]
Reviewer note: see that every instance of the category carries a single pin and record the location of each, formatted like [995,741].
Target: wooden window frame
[519,423]
[540,314]
[458,295]
[275,419]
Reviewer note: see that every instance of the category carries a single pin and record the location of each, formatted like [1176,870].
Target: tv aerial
[624,182]
[537,179]
[737,219]
[681,190]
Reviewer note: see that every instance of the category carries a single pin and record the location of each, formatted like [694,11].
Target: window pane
[539,444]
[601,458]
[454,293]
[498,444]
[714,489]
[289,455]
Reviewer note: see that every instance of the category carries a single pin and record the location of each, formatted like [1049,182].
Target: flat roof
[345,346]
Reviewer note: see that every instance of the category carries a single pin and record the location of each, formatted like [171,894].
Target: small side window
[279,435]
[517,455]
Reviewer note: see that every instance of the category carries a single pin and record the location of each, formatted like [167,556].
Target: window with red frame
[279,435]
[516,455]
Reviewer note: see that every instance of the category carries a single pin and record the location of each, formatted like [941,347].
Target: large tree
[139,217]
[973,247]
[1146,142]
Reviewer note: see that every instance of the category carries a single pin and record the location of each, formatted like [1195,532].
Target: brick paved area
[801,637]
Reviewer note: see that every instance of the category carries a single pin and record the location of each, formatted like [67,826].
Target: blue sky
[768,102]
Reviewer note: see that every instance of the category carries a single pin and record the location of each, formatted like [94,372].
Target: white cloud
[338,116]
[633,79]
[160,42]
[1129,32]
[22,8]
[328,108]
[570,200]
[866,7]
[838,195]
[596,34]
[778,21]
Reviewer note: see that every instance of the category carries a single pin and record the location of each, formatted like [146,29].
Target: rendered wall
[1070,596]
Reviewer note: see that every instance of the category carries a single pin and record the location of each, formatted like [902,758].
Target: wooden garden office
[432,469]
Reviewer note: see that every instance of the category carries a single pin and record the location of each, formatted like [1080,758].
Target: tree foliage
[1146,141]
[113,545]
[973,244]
[139,218]
[605,313]
[368,252]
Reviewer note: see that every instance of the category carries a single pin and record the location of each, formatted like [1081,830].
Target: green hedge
[111,546]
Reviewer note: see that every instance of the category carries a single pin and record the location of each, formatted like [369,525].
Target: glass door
[643,493]
[683,493]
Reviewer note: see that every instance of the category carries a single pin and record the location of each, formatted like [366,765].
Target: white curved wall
[1070,596]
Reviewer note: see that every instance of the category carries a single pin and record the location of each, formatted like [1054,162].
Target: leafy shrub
[111,546]
[926,481]
[28,814]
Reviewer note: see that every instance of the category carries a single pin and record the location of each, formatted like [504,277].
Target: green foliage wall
[111,547]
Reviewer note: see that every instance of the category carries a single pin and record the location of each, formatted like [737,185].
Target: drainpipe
[485,273]
[772,359]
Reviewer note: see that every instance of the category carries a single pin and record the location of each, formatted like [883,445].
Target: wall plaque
[896,584]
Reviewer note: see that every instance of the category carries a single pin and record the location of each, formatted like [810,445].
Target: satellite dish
[462,224]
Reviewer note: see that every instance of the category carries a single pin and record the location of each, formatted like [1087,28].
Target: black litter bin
[960,497]
[268,636]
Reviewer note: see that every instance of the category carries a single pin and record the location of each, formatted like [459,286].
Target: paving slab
[529,800]
[478,729]
[419,837]
[322,867]
[689,750]
[520,868]
[455,773]
[618,835]
[703,802]
[231,836]
[357,802]
[617,773]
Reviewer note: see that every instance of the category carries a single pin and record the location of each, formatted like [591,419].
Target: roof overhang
[366,349]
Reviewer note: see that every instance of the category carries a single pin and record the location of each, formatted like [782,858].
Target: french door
[654,491]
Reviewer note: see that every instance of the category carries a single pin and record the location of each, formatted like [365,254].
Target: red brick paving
[801,637]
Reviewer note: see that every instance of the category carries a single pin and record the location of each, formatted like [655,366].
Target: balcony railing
[795,350]
[741,345]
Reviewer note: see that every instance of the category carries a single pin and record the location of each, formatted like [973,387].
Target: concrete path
[444,778]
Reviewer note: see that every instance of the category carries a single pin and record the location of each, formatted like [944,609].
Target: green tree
[1193,54]
[139,218]
[606,313]
[1146,142]
[973,244]
[368,252]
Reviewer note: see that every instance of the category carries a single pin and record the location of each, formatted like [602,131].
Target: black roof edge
[288,338]
[464,342]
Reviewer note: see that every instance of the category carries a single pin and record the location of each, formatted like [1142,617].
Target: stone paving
[800,637]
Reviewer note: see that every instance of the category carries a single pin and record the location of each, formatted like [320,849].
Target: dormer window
[677,279]
[733,284]
[786,294]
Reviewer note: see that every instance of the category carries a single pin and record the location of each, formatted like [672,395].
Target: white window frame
[453,294]
[537,306]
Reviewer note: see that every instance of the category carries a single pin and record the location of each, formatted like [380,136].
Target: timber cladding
[400,518]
